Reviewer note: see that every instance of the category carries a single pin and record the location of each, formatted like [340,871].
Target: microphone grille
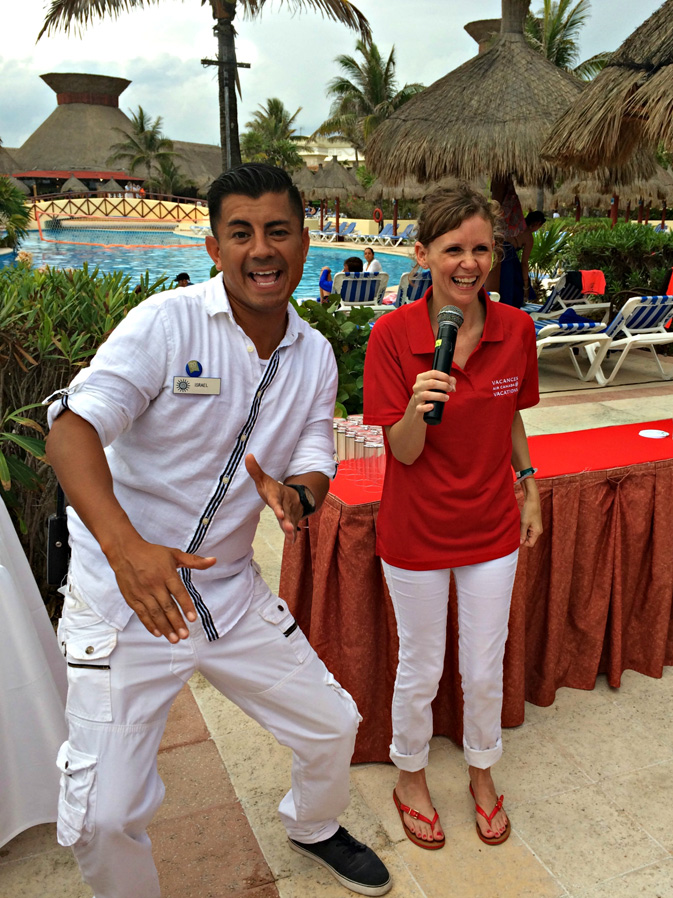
[450,315]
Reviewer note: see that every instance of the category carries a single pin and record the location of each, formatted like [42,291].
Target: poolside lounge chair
[328,229]
[564,295]
[574,336]
[360,288]
[412,287]
[383,235]
[639,325]
[344,229]
[407,234]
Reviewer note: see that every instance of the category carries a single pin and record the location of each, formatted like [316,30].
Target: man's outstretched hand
[282,501]
[149,579]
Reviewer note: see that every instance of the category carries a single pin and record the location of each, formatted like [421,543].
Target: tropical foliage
[348,336]
[145,146]
[269,138]
[14,213]
[554,32]
[549,244]
[168,178]
[633,258]
[68,13]
[51,323]
[363,96]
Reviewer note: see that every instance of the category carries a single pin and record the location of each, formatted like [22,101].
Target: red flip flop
[495,840]
[429,844]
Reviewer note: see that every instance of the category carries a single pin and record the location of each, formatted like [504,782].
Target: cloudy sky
[159,50]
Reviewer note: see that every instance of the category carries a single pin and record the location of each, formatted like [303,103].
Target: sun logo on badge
[182,385]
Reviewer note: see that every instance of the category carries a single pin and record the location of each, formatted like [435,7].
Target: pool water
[169,260]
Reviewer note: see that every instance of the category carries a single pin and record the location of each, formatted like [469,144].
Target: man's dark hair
[252,179]
[354,264]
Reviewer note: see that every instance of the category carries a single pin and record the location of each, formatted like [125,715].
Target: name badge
[196,386]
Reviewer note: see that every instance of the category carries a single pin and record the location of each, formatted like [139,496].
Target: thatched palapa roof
[411,189]
[629,102]
[488,117]
[111,186]
[7,163]
[200,162]
[78,134]
[24,188]
[333,181]
[74,185]
[304,180]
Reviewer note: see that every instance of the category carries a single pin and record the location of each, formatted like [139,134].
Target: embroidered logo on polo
[505,386]
[218,497]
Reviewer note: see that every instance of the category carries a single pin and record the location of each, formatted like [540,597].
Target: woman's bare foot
[412,791]
[487,798]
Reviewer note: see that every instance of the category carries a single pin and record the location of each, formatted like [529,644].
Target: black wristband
[305,497]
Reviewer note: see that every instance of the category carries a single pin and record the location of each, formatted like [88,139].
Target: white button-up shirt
[176,454]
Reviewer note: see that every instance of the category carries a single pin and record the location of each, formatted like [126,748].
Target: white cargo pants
[421,600]
[121,687]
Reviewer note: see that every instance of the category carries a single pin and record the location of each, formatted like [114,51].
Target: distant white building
[314,152]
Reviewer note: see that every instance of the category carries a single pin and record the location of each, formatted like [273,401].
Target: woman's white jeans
[421,600]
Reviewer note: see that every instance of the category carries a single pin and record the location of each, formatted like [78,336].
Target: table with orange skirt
[593,596]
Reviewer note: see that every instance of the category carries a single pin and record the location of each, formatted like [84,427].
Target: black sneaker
[352,863]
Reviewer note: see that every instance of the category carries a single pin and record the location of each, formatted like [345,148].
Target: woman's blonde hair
[446,208]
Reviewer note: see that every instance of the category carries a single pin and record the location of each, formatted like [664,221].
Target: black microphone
[449,319]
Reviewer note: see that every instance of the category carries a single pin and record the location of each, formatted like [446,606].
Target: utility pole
[227,69]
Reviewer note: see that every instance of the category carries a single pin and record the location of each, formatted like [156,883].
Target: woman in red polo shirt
[448,502]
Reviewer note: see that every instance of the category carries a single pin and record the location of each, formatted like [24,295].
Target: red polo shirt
[455,504]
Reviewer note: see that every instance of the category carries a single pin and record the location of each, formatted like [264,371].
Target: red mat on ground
[360,481]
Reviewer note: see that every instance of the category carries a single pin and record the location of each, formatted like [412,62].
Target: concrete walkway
[587,781]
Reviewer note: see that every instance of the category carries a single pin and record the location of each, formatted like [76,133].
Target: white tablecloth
[32,694]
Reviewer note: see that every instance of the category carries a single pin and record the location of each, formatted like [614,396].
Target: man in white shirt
[205,404]
[371,264]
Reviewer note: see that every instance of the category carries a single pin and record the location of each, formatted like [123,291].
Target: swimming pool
[170,260]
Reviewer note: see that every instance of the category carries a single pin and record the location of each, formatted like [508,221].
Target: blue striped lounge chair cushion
[569,327]
[359,286]
[651,313]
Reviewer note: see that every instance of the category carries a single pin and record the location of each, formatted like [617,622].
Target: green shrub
[632,257]
[51,323]
[348,336]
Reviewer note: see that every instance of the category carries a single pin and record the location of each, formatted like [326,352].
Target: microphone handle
[445,346]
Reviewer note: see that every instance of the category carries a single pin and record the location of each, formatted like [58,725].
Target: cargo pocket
[88,651]
[277,613]
[77,796]
[345,696]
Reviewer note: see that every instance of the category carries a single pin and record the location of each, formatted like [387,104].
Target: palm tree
[554,32]
[168,178]
[270,136]
[65,13]
[14,213]
[363,95]
[274,120]
[144,146]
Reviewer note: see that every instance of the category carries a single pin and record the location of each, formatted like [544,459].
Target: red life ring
[378,215]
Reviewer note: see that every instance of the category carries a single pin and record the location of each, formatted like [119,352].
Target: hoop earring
[493,261]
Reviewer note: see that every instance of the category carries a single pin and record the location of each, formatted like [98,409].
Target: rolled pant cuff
[410,763]
[483,759]
[299,834]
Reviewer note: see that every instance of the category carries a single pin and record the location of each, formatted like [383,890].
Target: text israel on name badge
[196,386]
